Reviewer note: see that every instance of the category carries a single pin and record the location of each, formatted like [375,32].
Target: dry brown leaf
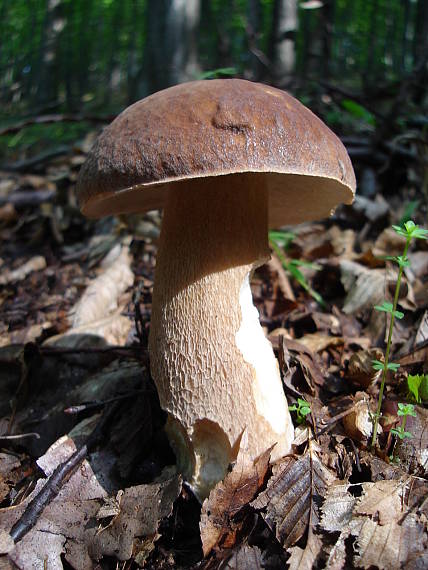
[245,556]
[383,501]
[229,496]
[36,263]
[289,504]
[343,242]
[365,287]
[388,243]
[100,298]
[422,333]
[304,558]
[337,508]
[360,369]
[68,525]
[391,546]
[318,342]
[358,424]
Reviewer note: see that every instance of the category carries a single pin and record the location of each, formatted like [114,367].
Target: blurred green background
[361,65]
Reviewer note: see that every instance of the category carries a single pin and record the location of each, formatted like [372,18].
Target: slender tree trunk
[48,76]
[254,16]
[405,36]
[171,54]
[282,45]
[131,63]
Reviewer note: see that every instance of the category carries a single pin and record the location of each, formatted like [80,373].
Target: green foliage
[404,410]
[302,409]
[417,385]
[409,230]
[279,240]
[388,308]
[218,73]
[379,365]
[358,111]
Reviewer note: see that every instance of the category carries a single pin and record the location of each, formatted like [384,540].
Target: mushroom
[225,159]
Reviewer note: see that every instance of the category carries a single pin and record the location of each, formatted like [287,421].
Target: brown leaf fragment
[337,508]
[382,501]
[68,525]
[391,546]
[140,511]
[304,558]
[245,556]
[228,497]
[36,263]
[360,369]
[290,502]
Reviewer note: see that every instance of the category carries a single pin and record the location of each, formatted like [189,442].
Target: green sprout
[281,240]
[302,408]
[417,385]
[409,231]
[404,410]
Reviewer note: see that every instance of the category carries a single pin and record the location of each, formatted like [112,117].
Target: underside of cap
[227,128]
[293,198]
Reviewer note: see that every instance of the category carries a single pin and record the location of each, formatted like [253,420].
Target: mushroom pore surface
[214,369]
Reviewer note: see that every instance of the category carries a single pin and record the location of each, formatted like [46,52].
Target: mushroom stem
[215,371]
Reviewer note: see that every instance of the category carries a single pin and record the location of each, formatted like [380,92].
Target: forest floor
[75,299]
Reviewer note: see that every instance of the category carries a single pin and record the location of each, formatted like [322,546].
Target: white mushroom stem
[215,370]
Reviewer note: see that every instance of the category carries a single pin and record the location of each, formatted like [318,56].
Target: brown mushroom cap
[224,127]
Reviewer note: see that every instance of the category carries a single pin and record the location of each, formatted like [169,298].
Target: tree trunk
[171,47]
[48,72]
[254,17]
[282,44]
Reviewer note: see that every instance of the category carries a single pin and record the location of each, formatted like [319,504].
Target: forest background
[361,65]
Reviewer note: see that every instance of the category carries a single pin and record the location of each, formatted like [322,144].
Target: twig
[53,486]
[84,406]
[53,118]
[21,435]
[30,163]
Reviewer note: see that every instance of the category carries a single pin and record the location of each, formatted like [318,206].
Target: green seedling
[417,385]
[281,240]
[302,409]
[404,410]
[409,231]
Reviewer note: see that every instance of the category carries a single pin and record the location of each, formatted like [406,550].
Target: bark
[171,54]
[48,72]
[282,46]
[254,16]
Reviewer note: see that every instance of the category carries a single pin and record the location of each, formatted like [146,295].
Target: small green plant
[281,240]
[409,231]
[302,409]
[404,410]
[417,385]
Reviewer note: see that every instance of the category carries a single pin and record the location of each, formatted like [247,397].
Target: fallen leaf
[100,298]
[358,424]
[337,508]
[304,558]
[391,546]
[290,502]
[365,287]
[36,263]
[383,501]
[317,342]
[245,556]
[68,525]
[228,497]
[360,368]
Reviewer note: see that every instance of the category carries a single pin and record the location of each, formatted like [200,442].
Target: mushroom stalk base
[215,371]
